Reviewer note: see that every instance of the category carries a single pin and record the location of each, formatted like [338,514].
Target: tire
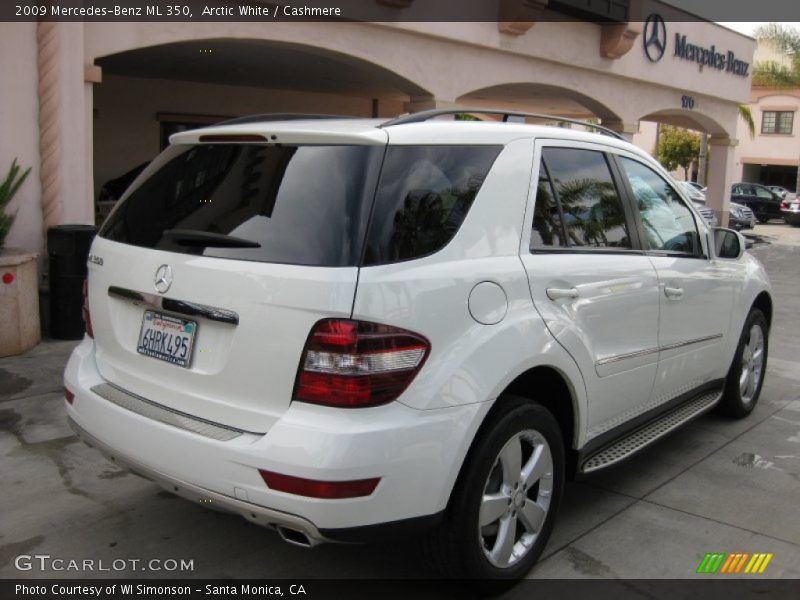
[762,219]
[459,547]
[746,375]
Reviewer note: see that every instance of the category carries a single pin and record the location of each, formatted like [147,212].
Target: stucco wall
[19,123]
[772,148]
[453,59]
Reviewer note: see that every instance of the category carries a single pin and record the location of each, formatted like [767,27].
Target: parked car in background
[791,211]
[781,191]
[696,185]
[764,203]
[690,189]
[708,215]
[741,217]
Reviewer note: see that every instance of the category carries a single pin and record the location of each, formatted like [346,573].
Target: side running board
[631,443]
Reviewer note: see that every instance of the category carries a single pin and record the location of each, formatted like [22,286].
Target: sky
[748,28]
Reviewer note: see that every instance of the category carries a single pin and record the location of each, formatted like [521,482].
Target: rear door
[590,280]
[217,264]
[695,292]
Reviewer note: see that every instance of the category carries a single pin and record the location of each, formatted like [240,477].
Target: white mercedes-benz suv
[347,329]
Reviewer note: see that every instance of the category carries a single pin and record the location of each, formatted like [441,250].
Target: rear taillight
[784,205]
[87,315]
[319,489]
[69,396]
[352,364]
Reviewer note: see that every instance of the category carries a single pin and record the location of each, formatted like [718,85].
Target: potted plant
[20,329]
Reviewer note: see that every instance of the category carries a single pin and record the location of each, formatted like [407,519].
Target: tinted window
[423,197]
[304,205]
[548,230]
[590,203]
[668,223]
[762,192]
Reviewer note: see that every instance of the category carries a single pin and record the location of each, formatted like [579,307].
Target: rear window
[423,197]
[304,205]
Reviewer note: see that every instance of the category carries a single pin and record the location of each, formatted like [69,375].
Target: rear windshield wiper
[192,237]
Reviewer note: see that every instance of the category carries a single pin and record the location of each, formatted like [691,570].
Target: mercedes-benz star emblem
[655,37]
[163,279]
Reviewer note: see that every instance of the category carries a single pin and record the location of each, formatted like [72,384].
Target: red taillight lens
[784,205]
[319,489]
[87,315]
[355,363]
[69,396]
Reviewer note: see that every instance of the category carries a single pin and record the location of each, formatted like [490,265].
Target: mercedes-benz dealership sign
[655,44]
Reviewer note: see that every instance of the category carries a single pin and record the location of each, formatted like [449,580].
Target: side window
[423,197]
[548,230]
[762,192]
[669,224]
[591,205]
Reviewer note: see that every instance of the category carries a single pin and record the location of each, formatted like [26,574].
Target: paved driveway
[715,486]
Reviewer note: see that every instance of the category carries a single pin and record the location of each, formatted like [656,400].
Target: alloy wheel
[516,498]
[752,364]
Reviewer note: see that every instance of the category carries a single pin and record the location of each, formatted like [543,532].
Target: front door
[695,292]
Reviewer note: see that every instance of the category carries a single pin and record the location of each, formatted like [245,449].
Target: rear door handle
[558,293]
[673,292]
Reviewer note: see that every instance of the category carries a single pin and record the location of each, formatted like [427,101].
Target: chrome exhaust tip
[296,537]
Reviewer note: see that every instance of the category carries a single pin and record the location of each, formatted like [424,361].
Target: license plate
[167,338]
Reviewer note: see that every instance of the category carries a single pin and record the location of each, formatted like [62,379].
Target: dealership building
[86,103]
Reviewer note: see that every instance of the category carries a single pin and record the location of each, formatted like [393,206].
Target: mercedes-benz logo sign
[163,279]
[655,37]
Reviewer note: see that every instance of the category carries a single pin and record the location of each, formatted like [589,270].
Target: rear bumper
[417,455]
[252,512]
[792,217]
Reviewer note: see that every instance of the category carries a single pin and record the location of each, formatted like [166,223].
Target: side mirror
[728,243]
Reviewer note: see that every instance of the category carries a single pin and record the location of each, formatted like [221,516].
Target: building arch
[254,62]
[690,119]
[540,98]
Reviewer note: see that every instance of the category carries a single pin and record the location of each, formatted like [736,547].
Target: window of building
[777,121]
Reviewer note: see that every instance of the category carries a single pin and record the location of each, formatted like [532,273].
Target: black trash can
[68,249]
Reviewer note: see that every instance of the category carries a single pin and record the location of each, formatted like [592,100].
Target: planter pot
[19,302]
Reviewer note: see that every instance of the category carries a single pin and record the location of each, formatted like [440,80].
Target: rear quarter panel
[471,362]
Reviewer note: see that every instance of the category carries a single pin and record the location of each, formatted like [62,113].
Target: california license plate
[167,338]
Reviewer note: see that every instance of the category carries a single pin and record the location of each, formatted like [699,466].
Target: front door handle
[558,293]
[673,292]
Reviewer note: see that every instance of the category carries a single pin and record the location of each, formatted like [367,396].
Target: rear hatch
[209,275]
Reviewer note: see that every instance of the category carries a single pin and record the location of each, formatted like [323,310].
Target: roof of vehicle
[373,131]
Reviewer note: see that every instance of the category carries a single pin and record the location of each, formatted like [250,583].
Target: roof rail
[267,117]
[426,115]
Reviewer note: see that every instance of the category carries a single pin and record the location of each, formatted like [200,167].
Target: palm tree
[746,114]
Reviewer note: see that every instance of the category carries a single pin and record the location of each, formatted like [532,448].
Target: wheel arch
[552,388]
[763,302]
